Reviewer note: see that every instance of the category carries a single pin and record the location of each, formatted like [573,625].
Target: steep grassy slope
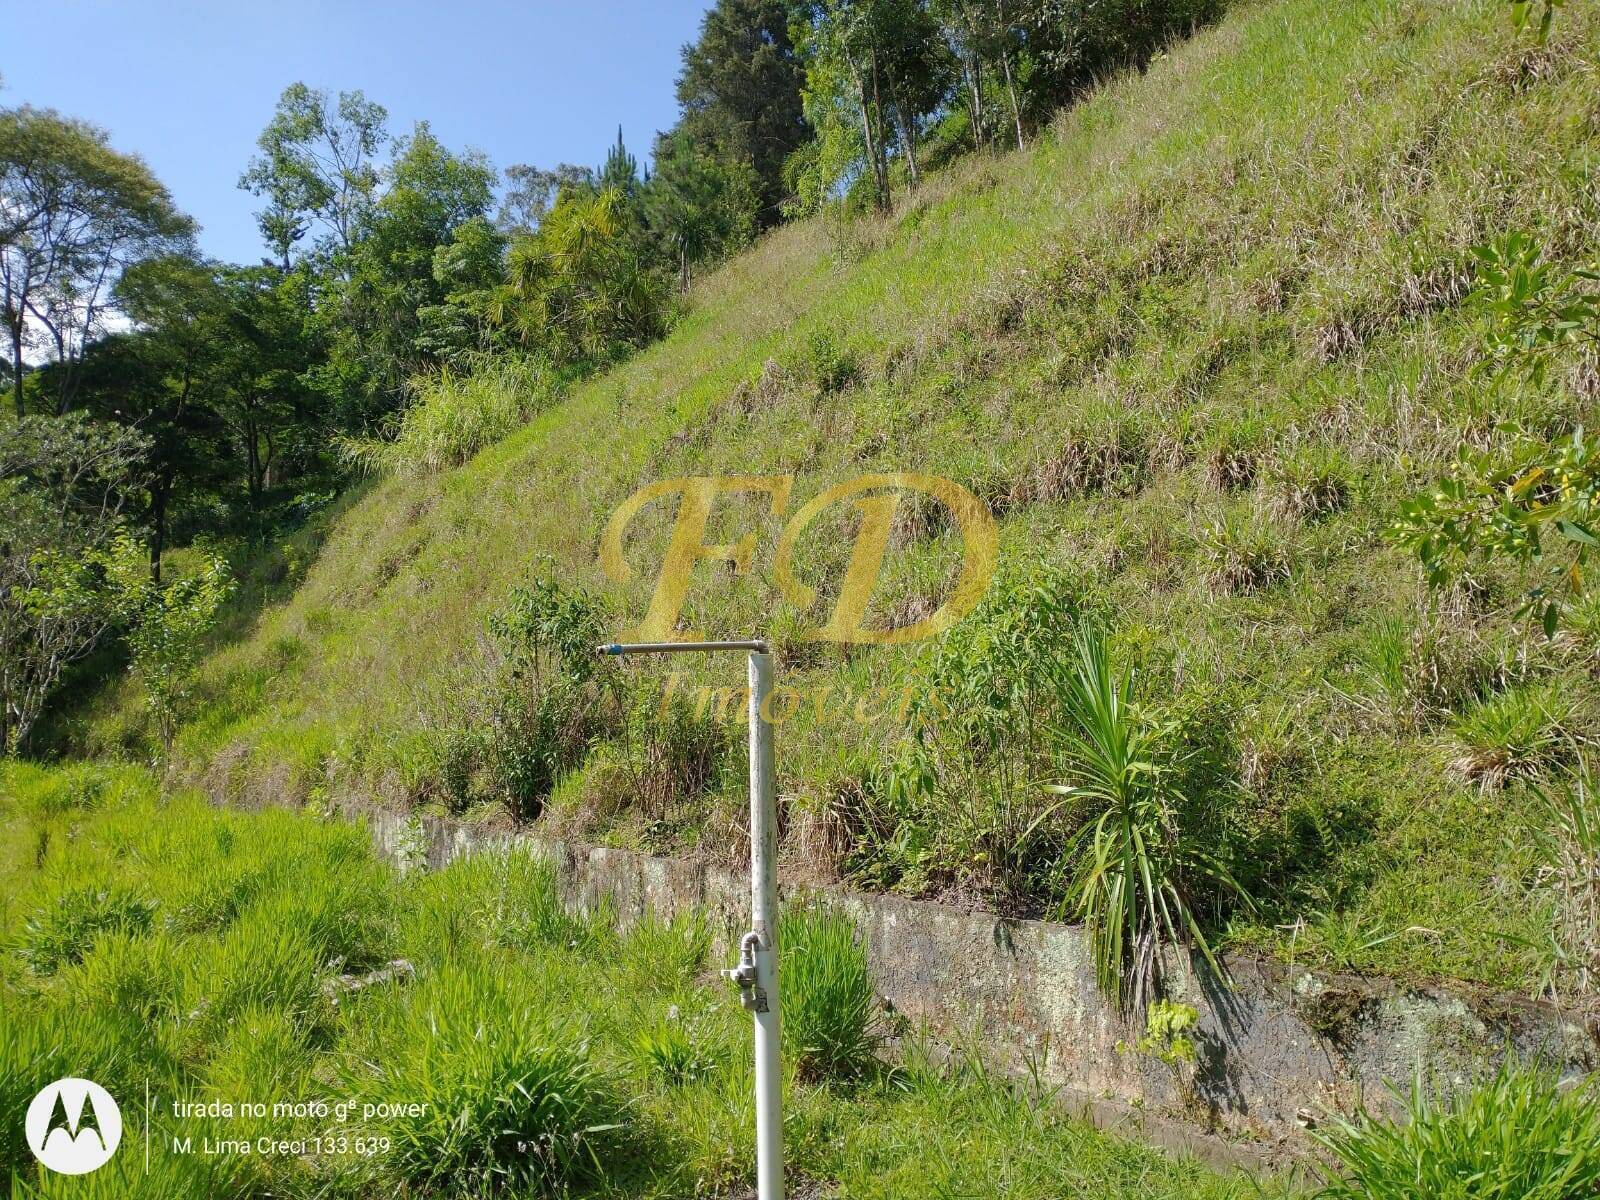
[1193,346]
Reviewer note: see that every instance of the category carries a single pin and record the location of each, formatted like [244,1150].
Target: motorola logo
[73,1126]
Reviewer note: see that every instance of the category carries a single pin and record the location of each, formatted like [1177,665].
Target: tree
[578,290]
[530,192]
[621,169]
[64,484]
[880,64]
[316,165]
[430,193]
[698,206]
[166,626]
[76,213]
[740,93]
[165,379]
[470,267]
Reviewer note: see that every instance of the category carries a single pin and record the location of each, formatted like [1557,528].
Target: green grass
[554,1054]
[1194,345]
[1518,1137]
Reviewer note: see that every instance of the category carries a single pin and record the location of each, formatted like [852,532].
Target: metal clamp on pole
[757,970]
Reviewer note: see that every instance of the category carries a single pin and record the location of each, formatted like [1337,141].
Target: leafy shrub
[511,1099]
[452,416]
[827,360]
[1513,734]
[827,994]
[550,699]
[1520,1136]
[675,748]
[166,624]
[1167,1026]
[981,707]
[545,699]
[1141,879]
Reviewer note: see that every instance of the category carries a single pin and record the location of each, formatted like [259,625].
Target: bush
[64,932]
[453,416]
[675,749]
[166,626]
[1310,485]
[980,710]
[1245,555]
[671,1052]
[827,995]
[1518,1137]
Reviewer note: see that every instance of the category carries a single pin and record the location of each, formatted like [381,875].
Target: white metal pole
[764,906]
[757,972]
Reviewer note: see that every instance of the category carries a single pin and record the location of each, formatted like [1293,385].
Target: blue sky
[189,84]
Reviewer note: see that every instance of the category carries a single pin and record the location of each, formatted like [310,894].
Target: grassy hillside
[1193,347]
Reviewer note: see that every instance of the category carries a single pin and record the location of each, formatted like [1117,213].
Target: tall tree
[430,192]
[531,191]
[75,214]
[316,164]
[698,206]
[165,380]
[740,92]
[621,169]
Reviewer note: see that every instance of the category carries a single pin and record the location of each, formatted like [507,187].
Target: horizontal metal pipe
[758,647]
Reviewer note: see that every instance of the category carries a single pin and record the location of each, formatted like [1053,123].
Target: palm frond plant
[1138,880]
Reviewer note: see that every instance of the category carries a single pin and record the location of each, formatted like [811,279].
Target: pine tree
[621,170]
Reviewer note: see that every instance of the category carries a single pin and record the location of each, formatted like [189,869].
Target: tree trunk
[1011,90]
[160,491]
[972,69]
[878,183]
[908,133]
[1005,65]
[883,149]
[16,370]
[252,464]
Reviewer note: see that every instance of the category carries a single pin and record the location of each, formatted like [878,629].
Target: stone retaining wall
[1277,1051]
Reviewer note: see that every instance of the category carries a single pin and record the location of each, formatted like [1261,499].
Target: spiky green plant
[1519,1136]
[1139,880]
[827,1007]
[1513,734]
[505,1096]
[1566,830]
